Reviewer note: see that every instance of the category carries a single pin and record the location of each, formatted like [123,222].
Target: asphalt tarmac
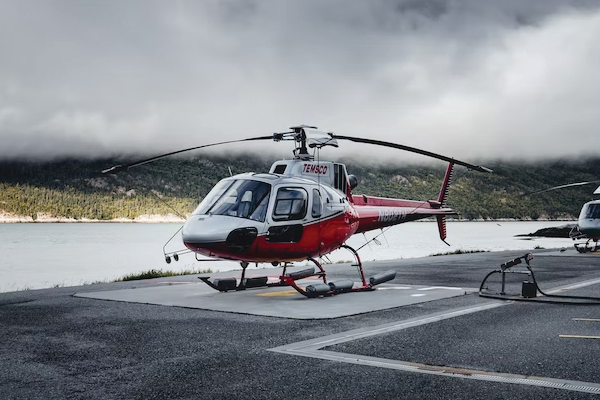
[56,345]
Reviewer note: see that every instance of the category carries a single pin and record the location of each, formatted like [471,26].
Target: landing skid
[587,248]
[310,291]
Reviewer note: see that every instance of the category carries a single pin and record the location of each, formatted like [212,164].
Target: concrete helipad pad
[279,302]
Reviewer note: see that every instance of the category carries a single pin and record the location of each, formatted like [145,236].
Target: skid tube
[227,284]
[345,286]
[586,247]
[311,291]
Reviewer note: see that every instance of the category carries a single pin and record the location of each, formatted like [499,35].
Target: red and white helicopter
[302,209]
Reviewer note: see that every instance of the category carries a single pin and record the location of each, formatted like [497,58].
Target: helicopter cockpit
[246,198]
[237,198]
[270,204]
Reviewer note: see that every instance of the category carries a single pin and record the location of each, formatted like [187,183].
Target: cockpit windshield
[592,211]
[237,198]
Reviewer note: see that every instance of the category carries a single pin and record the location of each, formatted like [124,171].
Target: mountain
[76,189]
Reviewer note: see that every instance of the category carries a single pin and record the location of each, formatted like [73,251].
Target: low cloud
[470,79]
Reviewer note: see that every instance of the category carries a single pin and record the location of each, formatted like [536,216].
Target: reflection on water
[45,255]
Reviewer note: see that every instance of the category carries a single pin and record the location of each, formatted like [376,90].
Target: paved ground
[57,346]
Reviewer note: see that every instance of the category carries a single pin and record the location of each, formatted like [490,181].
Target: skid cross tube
[312,290]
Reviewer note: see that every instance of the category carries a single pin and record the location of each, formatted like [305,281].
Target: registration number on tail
[391,215]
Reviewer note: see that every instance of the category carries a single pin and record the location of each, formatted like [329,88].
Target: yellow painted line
[579,336]
[587,319]
[279,293]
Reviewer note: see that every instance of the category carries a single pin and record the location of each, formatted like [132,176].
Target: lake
[40,255]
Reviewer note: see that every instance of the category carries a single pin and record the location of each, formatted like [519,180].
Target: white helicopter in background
[588,223]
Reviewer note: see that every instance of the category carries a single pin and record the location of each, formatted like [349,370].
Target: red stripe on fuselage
[322,237]
[318,238]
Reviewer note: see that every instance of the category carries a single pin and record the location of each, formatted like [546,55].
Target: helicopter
[301,210]
[588,222]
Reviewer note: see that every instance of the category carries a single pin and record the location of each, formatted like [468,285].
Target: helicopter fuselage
[589,219]
[300,209]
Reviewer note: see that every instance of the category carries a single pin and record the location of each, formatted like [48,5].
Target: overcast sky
[471,79]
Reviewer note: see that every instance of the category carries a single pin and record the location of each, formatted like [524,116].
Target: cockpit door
[290,209]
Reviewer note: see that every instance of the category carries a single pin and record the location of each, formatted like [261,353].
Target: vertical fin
[446,185]
[442,198]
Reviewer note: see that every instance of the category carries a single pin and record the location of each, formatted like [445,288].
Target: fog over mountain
[472,79]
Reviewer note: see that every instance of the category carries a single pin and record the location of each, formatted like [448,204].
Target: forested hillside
[77,189]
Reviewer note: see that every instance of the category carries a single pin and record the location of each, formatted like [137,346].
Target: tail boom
[377,212]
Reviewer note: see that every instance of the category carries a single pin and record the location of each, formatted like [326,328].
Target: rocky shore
[9,218]
[552,232]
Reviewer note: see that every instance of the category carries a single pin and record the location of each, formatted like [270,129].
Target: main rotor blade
[119,168]
[561,187]
[413,150]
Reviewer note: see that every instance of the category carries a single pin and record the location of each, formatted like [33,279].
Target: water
[46,255]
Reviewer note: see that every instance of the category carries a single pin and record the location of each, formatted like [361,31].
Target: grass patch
[159,273]
[457,251]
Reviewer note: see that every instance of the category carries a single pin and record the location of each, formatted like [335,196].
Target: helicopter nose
[208,229]
[217,231]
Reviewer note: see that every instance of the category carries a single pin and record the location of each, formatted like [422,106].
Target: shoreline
[8,218]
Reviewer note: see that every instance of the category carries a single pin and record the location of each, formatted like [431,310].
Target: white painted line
[573,286]
[578,386]
[315,344]
[311,348]
[579,336]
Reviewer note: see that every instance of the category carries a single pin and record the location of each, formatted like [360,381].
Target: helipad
[279,302]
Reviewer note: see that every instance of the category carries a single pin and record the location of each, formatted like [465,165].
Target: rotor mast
[298,135]
[306,137]
[301,152]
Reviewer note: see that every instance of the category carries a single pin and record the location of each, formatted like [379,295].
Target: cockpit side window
[260,212]
[290,204]
[317,204]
